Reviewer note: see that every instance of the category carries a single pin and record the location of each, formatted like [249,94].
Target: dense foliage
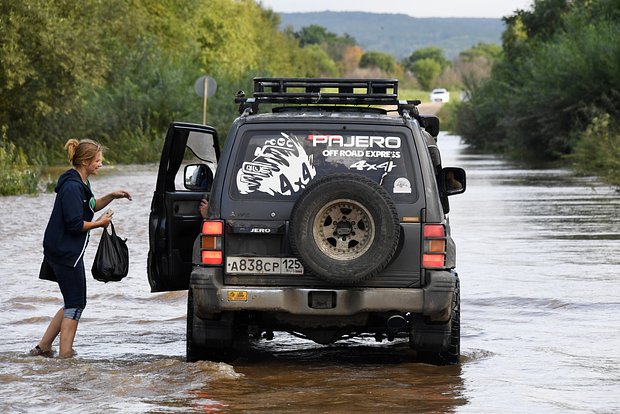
[120,71]
[49,52]
[379,60]
[16,176]
[557,88]
[598,150]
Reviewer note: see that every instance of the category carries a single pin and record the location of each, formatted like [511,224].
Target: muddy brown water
[538,256]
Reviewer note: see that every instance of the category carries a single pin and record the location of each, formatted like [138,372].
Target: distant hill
[400,34]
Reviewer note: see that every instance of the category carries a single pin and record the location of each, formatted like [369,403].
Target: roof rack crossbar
[283,84]
[343,95]
[333,91]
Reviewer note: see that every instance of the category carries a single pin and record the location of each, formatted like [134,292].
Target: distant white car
[439,95]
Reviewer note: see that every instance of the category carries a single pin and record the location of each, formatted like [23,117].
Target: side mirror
[198,177]
[453,180]
[430,124]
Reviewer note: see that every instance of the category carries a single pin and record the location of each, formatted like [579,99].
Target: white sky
[415,8]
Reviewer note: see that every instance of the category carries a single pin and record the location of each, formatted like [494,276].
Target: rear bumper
[210,296]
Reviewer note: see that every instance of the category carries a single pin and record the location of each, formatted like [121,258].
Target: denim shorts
[72,282]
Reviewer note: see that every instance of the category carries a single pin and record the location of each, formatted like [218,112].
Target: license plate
[264,266]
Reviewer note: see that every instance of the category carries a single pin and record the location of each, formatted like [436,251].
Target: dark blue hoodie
[65,241]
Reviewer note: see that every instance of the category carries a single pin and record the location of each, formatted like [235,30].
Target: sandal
[37,351]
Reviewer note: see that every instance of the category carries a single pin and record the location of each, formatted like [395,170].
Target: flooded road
[539,261]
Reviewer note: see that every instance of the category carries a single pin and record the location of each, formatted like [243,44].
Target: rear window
[279,164]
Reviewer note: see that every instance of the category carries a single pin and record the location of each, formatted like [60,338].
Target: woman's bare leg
[52,331]
[68,328]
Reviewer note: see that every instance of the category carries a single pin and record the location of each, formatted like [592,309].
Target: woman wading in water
[65,240]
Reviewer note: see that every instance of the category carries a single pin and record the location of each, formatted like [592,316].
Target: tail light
[211,242]
[434,255]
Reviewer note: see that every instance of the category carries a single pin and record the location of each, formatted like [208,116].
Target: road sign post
[205,86]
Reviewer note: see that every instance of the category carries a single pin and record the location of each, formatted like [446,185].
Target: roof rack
[321,91]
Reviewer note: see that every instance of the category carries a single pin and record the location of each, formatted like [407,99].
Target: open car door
[174,221]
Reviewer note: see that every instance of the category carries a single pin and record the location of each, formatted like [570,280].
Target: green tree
[488,51]
[537,24]
[338,47]
[317,63]
[319,35]
[379,60]
[472,66]
[314,35]
[49,52]
[426,71]
[432,53]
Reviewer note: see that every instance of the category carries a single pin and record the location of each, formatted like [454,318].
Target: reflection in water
[538,257]
[351,377]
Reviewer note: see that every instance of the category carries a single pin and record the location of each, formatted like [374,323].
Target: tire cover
[344,228]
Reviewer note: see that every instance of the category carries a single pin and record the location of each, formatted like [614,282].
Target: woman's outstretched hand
[121,194]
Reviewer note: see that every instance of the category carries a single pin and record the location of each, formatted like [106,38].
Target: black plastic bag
[111,262]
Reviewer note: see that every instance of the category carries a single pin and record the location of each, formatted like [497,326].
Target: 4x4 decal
[280,166]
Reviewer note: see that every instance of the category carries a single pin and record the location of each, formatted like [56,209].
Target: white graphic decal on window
[402,186]
[354,141]
[364,165]
[281,166]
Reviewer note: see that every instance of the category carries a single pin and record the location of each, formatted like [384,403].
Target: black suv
[327,219]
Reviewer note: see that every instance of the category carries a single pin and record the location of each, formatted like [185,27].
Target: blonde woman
[66,237]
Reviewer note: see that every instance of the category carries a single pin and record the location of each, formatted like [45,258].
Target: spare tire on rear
[344,228]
